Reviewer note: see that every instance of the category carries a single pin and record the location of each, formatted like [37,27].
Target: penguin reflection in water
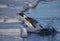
[31,23]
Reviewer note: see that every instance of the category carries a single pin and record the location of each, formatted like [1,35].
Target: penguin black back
[33,21]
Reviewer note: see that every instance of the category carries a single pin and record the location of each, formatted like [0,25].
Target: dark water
[35,37]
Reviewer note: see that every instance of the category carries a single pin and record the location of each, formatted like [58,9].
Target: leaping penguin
[29,21]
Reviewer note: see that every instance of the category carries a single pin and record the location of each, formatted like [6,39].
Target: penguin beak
[21,14]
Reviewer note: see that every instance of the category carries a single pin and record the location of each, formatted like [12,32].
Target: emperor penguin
[31,23]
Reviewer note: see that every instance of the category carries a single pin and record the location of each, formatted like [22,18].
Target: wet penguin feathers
[32,21]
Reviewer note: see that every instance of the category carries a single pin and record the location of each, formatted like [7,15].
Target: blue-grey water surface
[44,13]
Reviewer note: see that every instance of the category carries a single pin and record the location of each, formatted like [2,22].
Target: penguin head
[22,15]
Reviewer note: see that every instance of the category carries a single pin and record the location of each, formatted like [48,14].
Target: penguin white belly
[28,24]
